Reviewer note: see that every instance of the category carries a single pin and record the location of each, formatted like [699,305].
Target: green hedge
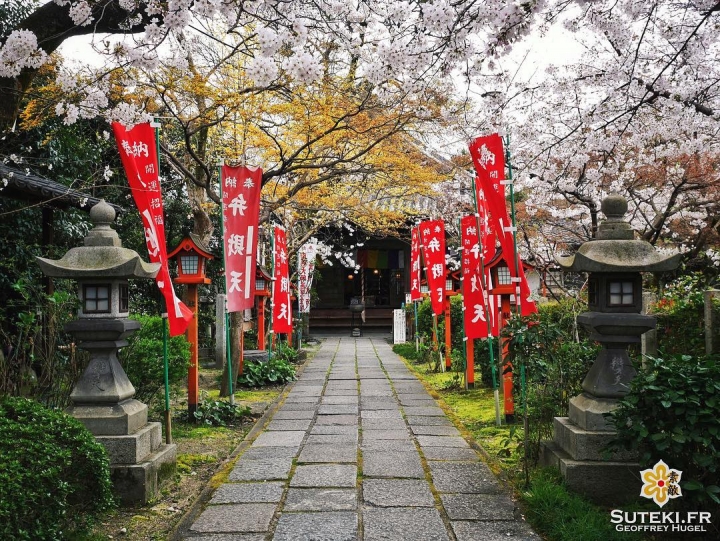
[54,475]
[142,358]
[672,412]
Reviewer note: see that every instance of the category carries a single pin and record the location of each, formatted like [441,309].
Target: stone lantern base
[139,460]
[577,450]
[102,401]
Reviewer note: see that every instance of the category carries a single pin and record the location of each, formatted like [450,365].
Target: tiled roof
[27,186]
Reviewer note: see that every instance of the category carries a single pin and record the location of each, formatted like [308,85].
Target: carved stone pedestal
[102,401]
[577,450]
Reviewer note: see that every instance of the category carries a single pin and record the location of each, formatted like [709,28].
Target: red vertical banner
[475,305]
[432,240]
[415,271]
[281,307]
[138,152]
[488,158]
[241,211]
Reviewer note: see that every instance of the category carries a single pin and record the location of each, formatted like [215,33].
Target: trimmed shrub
[54,475]
[671,413]
[142,358]
[271,372]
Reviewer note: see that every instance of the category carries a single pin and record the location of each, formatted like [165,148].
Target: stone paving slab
[435,430]
[384,424]
[478,506]
[329,453]
[392,464]
[321,499]
[261,470]
[424,411]
[449,453]
[333,429]
[305,395]
[463,477]
[338,409]
[404,524]
[397,434]
[336,420]
[290,438]
[264,453]
[335,439]
[299,414]
[415,420]
[385,446]
[376,403]
[381,414]
[289,424]
[397,493]
[241,518]
[353,399]
[293,406]
[328,526]
[270,492]
[494,531]
[418,403]
[442,441]
[325,475]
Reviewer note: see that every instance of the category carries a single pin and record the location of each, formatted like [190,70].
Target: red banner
[432,240]
[281,307]
[415,272]
[474,302]
[489,161]
[241,211]
[138,152]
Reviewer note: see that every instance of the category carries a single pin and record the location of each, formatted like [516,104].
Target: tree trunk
[235,349]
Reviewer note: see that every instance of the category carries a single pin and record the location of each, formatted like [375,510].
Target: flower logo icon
[661,483]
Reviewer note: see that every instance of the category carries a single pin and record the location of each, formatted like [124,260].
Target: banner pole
[166,369]
[228,340]
[516,257]
[272,292]
[486,299]
[417,331]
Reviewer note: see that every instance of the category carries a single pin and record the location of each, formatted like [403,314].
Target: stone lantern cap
[102,254]
[614,249]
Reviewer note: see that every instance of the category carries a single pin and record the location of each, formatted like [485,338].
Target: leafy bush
[671,413]
[40,363]
[555,360]
[213,412]
[272,371]
[54,475]
[680,317]
[407,350]
[287,353]
[142,359]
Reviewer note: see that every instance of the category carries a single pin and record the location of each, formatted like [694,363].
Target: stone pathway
[359,450]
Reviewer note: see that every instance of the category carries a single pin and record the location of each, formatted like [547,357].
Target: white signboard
[399,326]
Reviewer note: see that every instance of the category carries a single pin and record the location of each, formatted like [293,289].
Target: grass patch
[260,395]
[563,516]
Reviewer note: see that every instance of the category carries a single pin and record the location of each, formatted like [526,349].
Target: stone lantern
[103,397]
[614,262]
